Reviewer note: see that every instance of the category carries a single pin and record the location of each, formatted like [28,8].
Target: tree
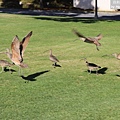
[36,4]
[11,3]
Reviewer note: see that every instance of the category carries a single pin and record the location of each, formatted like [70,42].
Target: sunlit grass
[68,92]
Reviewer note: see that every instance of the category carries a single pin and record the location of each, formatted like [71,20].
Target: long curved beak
[45,51]
[75,40]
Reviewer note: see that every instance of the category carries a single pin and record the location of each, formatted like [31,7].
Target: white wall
[84,4]
[103,5]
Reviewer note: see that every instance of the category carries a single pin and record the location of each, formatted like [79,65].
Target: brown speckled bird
[93,40]
[18,49]
[4,63]
[116,55]
[92,66]
[53,58]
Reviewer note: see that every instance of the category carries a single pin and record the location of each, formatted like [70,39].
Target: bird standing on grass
[92,67]
[53,58]
[18,49]
[4,63]
[93,40]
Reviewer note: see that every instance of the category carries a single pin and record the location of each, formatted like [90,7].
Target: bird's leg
[19,71]
[97,48]
[75,40]
[10,70]
[55,65]
[96,71]
[2,70]
[90,71]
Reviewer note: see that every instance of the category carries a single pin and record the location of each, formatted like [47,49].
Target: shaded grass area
[68,92]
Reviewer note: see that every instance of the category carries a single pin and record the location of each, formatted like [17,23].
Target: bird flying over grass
[116,55]
[92,40]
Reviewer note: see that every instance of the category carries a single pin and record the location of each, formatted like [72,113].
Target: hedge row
[34,4]
[20,4]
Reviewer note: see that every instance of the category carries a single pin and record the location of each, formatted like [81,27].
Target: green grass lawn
[63,93]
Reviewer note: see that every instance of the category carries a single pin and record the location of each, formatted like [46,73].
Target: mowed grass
[63,93]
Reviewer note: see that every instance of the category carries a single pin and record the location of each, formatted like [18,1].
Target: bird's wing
[85,39]
[9,54]
[15,48]
[78,34]
[24,42]
[118,56]
[98,37]
[93,65]
[89,40]
[54,58]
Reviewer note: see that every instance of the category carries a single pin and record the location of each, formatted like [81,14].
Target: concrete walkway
[101,15]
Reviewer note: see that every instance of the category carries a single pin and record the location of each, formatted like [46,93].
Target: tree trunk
[41,4]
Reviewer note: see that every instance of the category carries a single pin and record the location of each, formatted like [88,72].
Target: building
[103,5]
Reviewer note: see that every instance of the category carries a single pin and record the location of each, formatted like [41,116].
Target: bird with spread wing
[93,40]
[18,49]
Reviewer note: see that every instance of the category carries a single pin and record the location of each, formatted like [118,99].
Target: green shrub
[35,4]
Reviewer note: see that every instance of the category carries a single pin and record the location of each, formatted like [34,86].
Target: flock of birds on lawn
[18,48]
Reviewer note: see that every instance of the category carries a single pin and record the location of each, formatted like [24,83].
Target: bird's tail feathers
[10,64]
[98,37]
[99,67]
[29,34]
[23,65]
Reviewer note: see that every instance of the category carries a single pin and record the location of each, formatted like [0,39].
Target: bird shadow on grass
[100,71]
[68,19]
[56,65]
[32,77]
[9,70]
[118,75]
